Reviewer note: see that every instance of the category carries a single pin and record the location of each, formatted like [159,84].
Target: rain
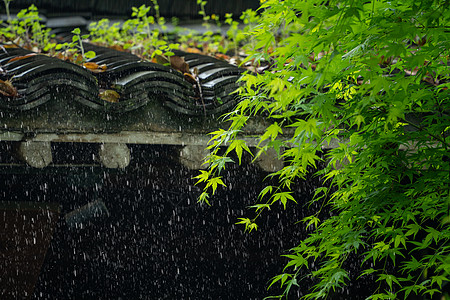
[98,198]
[137,232]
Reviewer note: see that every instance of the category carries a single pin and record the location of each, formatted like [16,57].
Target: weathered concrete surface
[193,157]
[35,154]
[269,161]
[114,155]
[67,115]
[63,120]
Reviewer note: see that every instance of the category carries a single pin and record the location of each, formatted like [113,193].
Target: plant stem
[7,10]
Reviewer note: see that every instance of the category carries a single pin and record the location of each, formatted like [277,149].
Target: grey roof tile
[40,79]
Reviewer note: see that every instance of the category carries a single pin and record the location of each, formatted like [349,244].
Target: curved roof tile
[40,78]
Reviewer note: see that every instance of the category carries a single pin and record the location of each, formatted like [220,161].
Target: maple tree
[372,77]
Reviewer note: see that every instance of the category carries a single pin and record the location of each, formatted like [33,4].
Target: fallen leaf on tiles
[28,47]
[7,89]
[90,65]
[60,55]
[110,96]
[74,58]
[179,64]
[117,47]
[193,50]
[159,59]
[93,67]
[21,57]
[78,59]
[222,56]
[10,46]
[190,78]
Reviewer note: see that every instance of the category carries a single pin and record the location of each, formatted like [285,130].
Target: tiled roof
[40,79]
[58,97]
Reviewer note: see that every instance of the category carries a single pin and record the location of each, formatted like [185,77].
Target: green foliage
[27,29]
[202,13]
[233,31]
[77,41]
[75,49]
[103,31]
[224,38]
[143,34]
[372,80]
[249,224]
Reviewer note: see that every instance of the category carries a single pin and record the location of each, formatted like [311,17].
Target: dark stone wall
[168,8]
[156,242]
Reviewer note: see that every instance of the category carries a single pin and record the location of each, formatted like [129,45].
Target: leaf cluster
[142,34]
[363,88]
[26,29]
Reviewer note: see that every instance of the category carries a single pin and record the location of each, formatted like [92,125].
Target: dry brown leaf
[179,64]
[10,46]
[60,55]
[110,96]
[159,59]
[7,89]
[117,47]
[21,57]
[93,67]
[190,78]
[222,56]
[77,60]
[193,50]
[28,47]
[90,65]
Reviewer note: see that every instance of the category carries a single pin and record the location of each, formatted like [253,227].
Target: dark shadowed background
[184,9]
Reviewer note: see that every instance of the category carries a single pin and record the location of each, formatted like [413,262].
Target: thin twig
[200,92]
[429,133]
